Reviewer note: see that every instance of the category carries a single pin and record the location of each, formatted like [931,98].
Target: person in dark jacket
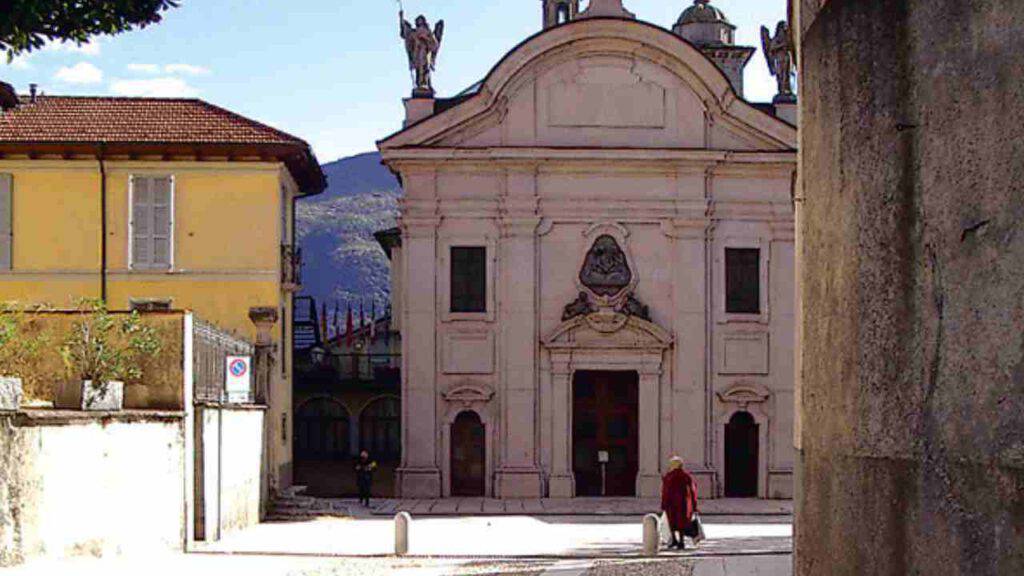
[679,502]
[364,477]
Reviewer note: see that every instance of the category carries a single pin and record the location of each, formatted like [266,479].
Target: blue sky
[330,71]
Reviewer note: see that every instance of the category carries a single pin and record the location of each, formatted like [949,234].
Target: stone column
[264,318]
[648,483]
[419,476]
[911,250]
[562,484]
[519,474]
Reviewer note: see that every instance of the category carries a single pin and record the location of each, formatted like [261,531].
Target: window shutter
[152,200]
[6,220]
[142,223]
[162,198]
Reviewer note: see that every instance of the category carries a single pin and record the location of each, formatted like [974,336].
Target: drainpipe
[103,224]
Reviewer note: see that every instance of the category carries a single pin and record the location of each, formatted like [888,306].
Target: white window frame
[445,266]
[764,247]
[131,223]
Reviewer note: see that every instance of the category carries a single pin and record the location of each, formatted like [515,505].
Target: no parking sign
[238,381]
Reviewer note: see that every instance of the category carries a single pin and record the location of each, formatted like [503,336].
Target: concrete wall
[72,484]
[912,377]
[229,476]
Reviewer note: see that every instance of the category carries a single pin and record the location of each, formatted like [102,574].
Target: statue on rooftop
[421,45]
[778,51]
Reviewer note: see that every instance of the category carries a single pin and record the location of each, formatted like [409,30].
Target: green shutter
[6,221]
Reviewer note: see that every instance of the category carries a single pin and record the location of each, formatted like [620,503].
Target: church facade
[596,268]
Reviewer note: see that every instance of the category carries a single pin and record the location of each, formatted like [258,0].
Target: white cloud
[90,48]
[20,63]
[164,87]
[186,69]
[81,73]
[144,68]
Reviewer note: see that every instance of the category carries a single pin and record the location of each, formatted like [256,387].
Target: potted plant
[20,348]
[101,351]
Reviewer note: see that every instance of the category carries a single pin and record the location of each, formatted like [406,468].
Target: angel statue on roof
[422,45]
[778,51]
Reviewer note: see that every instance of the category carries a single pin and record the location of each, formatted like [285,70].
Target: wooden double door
[605,412]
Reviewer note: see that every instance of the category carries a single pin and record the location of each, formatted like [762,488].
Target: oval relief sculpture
[605,271]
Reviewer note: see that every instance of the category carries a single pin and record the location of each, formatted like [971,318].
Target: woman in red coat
[679,502]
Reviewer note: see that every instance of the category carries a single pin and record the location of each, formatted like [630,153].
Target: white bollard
[652,540]
[402,522]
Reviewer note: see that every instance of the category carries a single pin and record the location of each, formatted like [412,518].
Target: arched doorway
[380,429]
[321,430]
[468,456]
[741,456]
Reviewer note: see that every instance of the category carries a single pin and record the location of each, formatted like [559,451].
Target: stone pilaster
[561,484]
[518,474]
[690,390]
[649,477]
[419,475]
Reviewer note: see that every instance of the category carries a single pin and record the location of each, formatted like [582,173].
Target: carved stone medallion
[605,271]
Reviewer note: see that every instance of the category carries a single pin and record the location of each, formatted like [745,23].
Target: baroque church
[595,270]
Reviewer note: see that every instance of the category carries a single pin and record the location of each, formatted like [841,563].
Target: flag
[362,320]
[373,321]
[323,321]
[348,326]
[334,321]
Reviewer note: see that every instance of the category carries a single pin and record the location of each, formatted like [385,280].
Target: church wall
[615,129]
[671,263]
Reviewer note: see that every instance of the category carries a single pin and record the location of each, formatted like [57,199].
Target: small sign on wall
[238,379]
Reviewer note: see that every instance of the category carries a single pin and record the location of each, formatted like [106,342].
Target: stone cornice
[526,158]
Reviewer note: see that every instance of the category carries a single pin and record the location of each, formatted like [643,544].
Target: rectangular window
[743,280]
[152,222]
[144,305]
[6,222]
[469,279]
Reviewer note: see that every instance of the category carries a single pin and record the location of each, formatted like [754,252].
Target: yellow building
[155,203]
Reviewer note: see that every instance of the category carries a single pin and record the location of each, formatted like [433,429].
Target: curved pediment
[610,330]
[745,393]
[469,394]
[610,81]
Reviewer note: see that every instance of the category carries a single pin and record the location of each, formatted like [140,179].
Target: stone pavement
[441,546]
[548,537]
[296,506]
[211,565]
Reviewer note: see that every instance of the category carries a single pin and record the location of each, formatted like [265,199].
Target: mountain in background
[343,263]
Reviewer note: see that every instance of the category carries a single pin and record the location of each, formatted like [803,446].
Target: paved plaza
[603,541]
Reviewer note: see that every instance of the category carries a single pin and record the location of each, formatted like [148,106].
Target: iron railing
[211,347]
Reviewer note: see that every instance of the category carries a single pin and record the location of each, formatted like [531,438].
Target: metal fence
[211,348]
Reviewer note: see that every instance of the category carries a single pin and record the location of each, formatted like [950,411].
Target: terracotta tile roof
[157,120]
[144,121]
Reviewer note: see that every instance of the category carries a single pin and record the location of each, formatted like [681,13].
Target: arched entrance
[380,429]
[321,430]
[741,456]
[468,456]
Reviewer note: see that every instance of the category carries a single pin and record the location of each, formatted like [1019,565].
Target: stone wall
[911,251]
[75,484]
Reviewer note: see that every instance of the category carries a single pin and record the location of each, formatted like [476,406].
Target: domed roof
[702,12]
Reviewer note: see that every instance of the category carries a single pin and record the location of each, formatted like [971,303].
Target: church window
[743,280]
[468,279]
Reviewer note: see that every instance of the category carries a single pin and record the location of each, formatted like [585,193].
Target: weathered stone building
[596,269]
[911,252]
